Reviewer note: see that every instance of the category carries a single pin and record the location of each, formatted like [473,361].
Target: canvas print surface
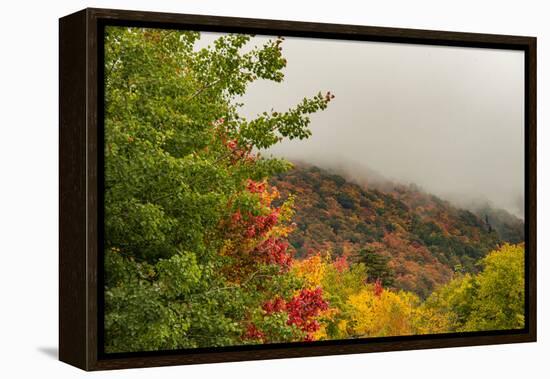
[263,189]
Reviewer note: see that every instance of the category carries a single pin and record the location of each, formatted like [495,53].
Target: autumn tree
[377,266]
[182,176]
[494,299]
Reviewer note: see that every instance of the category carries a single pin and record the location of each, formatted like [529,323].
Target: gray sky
[446,118]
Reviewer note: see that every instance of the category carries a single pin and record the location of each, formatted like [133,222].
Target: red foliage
[274,251]
[341,263]
[378,288]
[260,225]
[253,226]
[253,333]
[277,305]
[304,307]
[302,310]
[236,152]
[255,187]
[232,144]
[254,239]
[236,218]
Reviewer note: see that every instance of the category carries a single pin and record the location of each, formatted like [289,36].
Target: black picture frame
[81,175]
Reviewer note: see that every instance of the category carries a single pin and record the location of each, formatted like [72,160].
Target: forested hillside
[415,240]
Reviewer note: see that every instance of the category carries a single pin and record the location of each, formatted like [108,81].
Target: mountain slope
[423,238]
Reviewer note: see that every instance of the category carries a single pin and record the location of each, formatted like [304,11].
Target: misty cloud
[448,119]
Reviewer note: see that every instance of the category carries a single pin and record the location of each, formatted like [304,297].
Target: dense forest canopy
[197,250]
[423,239]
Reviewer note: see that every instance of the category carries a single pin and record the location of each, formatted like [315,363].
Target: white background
[29,183]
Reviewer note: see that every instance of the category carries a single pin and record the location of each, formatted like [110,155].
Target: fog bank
[448,119]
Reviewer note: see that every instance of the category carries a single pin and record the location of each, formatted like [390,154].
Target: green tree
[500,297]
[494,299]
[179,160]
[377,267]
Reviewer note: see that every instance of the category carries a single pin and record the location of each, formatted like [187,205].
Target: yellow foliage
[286,213]
[387,314]
[266,197]
[342,327]
[430,321]
[311,270]
[493,299]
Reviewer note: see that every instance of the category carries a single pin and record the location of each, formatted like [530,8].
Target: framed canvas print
[237,189]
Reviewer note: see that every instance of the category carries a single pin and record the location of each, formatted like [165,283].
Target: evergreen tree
[377,267]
